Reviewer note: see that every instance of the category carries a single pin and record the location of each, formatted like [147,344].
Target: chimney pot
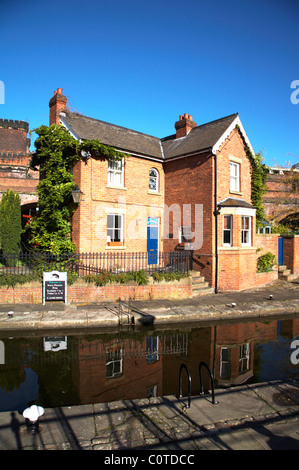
[184,125]
[57,105]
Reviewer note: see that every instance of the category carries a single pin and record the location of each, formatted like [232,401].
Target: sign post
[54,286]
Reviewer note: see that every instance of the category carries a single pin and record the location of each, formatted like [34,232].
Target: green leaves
[55,155]
[10,222]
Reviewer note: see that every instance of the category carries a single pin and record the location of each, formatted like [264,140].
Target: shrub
[266,262]
[106,277]
[168,277]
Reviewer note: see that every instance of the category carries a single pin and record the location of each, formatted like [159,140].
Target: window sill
[110,186]
[236,248]
[154,193]
[237,193]
[115,247]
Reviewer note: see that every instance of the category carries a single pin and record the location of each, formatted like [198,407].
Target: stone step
[282,268]
[289,277]
[198,282]
[203,291]
[286,272]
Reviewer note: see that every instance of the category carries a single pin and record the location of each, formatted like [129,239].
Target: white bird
[33,413]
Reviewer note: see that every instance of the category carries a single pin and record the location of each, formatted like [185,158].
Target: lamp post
[76,193]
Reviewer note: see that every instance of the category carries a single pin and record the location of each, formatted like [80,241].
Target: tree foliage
[55,155]
[10,222]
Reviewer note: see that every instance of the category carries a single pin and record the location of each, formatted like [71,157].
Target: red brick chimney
[57,105]
[184,125]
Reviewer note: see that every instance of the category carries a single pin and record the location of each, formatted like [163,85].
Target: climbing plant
[56,152]
[258,180]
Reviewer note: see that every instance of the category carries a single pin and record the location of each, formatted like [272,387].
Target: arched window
[153,183]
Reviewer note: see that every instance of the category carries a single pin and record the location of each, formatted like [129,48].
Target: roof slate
[200,138]
[232,202]
[118,137]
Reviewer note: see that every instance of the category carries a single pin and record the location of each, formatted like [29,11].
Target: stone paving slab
[244,419]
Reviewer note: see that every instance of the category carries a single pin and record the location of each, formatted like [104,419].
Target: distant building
[281,199]
[15,157]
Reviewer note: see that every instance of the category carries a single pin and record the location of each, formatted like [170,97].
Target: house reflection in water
[144,363]
[129,368]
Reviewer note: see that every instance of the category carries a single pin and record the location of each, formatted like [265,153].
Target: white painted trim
[237,211]
[64,124]
[236,122]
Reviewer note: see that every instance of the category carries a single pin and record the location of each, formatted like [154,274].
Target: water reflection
[60,370]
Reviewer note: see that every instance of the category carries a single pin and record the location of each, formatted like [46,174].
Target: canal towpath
[279,298]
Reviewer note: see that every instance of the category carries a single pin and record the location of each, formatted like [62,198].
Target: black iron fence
[95,263]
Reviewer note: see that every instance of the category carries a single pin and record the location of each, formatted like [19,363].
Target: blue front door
[152,240]
[280,251]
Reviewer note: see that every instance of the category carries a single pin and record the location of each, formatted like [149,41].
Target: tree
[10,222]
[55,155]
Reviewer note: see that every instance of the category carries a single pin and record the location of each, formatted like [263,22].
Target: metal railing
[95,263]
[184,367]
[201,365]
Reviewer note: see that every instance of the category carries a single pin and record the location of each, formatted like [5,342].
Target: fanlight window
[153,180]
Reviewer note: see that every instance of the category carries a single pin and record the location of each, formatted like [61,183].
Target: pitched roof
[234,202]
[121,138]
[204,137]
[199,138]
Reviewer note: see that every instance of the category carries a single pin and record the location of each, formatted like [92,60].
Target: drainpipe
[216,213]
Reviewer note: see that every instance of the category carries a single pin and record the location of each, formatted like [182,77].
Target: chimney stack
[57,105]
[184,125]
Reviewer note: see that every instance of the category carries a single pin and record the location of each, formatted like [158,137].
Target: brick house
[187,191]
[15,173]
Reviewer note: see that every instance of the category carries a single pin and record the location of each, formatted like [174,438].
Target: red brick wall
[13,139]
[95,387]
[135,199]
[15,159]
[280,199]
[86,293]
[233,148]
[190,181]
[267,242]
[291,253]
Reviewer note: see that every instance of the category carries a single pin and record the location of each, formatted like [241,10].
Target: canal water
[71,368]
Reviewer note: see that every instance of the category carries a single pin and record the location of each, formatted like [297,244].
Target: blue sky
[141,64]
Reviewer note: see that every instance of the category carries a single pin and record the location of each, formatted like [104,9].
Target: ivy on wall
[258,181]
[56,152]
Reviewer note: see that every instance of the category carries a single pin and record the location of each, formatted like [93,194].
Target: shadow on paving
[159,424]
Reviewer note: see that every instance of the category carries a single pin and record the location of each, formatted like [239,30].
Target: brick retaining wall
[109,293]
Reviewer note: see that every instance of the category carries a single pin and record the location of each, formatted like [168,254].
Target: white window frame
[244,357]
[155,180]
[246,232]
[114,228]
[186,234]
[235,176]
[230,230]
[116,172]
[225,364]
